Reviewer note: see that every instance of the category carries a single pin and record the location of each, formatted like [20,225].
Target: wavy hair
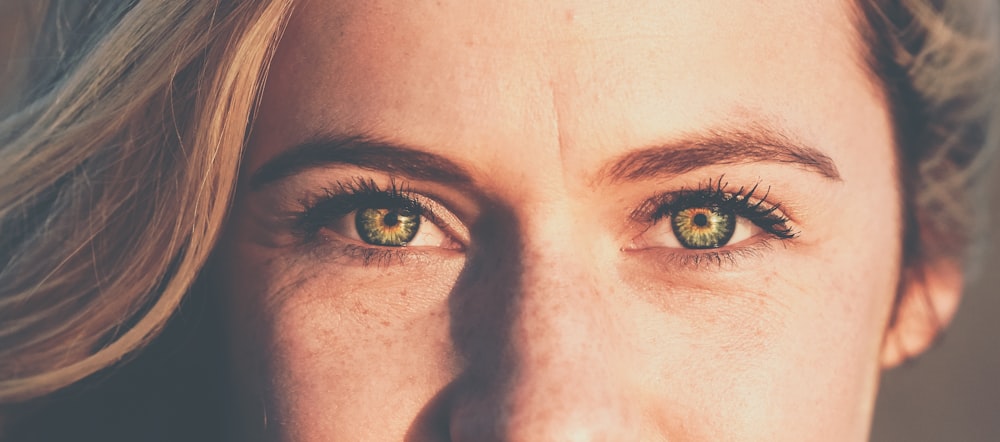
[938,64]
[119,161]
[116,172]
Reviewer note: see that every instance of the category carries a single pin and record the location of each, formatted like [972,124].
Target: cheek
[328,357]
[841,296]
[744,357]
[324,347]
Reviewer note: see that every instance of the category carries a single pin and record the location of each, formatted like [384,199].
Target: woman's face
[564,220]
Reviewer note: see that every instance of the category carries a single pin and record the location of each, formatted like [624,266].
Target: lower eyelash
[712,258]
[377,256]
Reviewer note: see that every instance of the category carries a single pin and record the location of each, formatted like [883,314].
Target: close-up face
[565,220]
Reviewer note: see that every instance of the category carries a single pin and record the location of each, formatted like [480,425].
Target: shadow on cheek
[482,305]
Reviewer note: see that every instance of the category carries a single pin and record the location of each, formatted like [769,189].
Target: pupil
[390,219]
[700,220]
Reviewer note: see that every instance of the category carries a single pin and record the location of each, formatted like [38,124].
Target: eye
[375,218]
[698,228]
[708,218]
[392,225]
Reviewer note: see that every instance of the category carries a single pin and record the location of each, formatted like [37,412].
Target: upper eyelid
[681,198]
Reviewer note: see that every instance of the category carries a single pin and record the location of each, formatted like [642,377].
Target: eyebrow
[721,147]
[756,144]
[363,152]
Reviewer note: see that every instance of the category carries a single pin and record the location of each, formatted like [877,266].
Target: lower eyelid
[380,256]
[346,253]
[667,260]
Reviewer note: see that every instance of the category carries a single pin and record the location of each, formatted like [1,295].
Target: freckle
[402,293]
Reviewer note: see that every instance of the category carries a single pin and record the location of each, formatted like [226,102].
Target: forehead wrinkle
[561,138]
[559,88]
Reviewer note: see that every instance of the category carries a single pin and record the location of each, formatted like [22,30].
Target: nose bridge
[559,308]
[560,376]
[566,374]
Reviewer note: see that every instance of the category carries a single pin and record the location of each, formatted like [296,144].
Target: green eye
[392,227]
[703,227]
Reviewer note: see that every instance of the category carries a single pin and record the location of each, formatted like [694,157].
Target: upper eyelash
[345,197]
[742,202]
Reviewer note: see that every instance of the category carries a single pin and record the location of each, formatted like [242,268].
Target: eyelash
[741,202]
[343,198]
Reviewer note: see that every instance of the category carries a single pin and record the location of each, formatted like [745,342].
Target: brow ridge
[717,148]
[359,151]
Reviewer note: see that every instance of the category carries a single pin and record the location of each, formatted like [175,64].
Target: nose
[555,365]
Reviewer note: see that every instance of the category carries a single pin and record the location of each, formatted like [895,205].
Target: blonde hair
[118,168]
[116,174]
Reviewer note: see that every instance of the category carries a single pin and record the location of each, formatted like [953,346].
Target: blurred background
[952,393]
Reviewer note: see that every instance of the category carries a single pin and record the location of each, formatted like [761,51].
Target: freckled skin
[546,325]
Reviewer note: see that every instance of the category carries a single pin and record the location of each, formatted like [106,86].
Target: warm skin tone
[533,305]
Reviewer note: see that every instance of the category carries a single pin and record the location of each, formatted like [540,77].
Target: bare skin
[540,300]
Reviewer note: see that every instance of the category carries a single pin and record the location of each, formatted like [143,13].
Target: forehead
[472,78]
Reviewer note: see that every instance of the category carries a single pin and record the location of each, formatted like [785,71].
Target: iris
[703,227]
[387,226]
